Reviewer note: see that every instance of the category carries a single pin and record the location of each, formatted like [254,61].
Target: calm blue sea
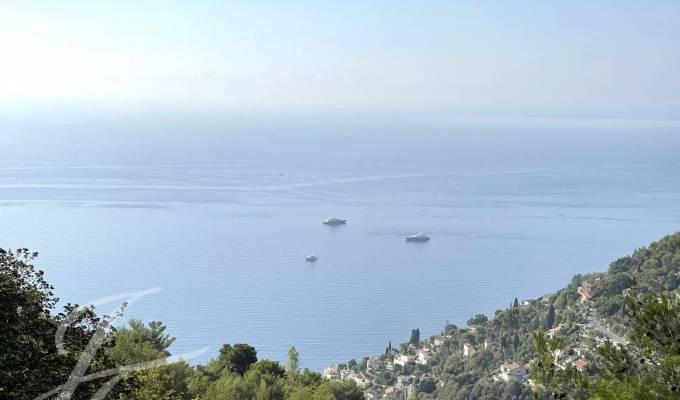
[221,215]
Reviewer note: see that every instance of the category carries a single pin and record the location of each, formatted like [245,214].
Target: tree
[550,317]
[343,390]
[515,303]
[268,367]
[237,358]
[138,342]
[415,336]
[30,363]
[647,369]
[479,319]
[293,366]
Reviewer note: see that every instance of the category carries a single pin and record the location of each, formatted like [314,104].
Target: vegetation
[31,364]
[625,323]
[627,328]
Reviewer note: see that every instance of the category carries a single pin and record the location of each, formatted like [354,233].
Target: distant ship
[335,221]
[311,258]
[420,237]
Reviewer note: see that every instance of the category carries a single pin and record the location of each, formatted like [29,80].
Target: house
[439,340]
[331,373]
[581,365]
[468,349]
[553,331]
[345,373]
[392,393]
[563,352]
[372,363]
[584,292]
[360,380]
[512,372]
[423,356]
[403,359]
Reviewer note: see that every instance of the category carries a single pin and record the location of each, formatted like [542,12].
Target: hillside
[489,358]
[603,333]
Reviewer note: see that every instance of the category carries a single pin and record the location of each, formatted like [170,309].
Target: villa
[423,356]
[468,349]
[584,292]
[403,359]
[331,373]
[439,340]
[512,372]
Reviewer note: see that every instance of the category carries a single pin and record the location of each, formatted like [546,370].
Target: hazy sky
[584,58]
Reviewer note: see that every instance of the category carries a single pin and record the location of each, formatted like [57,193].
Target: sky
[610,59]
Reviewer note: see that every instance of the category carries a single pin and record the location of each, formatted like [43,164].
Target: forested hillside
[580,325]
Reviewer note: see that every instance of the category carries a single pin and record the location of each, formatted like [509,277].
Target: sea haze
[221,216]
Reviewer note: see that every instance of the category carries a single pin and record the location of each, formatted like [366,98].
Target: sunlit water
[223,225]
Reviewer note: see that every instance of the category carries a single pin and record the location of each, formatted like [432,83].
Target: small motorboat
[335,221]
[311,258]
[419,237]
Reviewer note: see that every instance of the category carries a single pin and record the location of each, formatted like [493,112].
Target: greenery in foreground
[637,298]
[31,364]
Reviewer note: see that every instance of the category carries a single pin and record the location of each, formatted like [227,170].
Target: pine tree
[550,318]
[293,366]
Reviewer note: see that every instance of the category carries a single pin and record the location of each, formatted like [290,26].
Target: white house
[403,359]
[468,349]
[331,373]
[360,380]
[512,372]
[423,356]
[439,340]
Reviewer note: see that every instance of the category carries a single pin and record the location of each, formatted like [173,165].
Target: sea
[204,221]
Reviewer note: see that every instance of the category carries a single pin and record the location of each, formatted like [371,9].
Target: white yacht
[335,221]
[311,258]
[420,237]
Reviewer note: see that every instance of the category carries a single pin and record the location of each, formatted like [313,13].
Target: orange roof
[389,390]
[580,363]
[584,292]
[511,366]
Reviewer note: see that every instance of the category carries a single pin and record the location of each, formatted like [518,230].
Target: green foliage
[293,366]
[550,317]
[560,383]
[649,314]
[415,337]
[30,364]
[237,358]
[138,342]
[479,319]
